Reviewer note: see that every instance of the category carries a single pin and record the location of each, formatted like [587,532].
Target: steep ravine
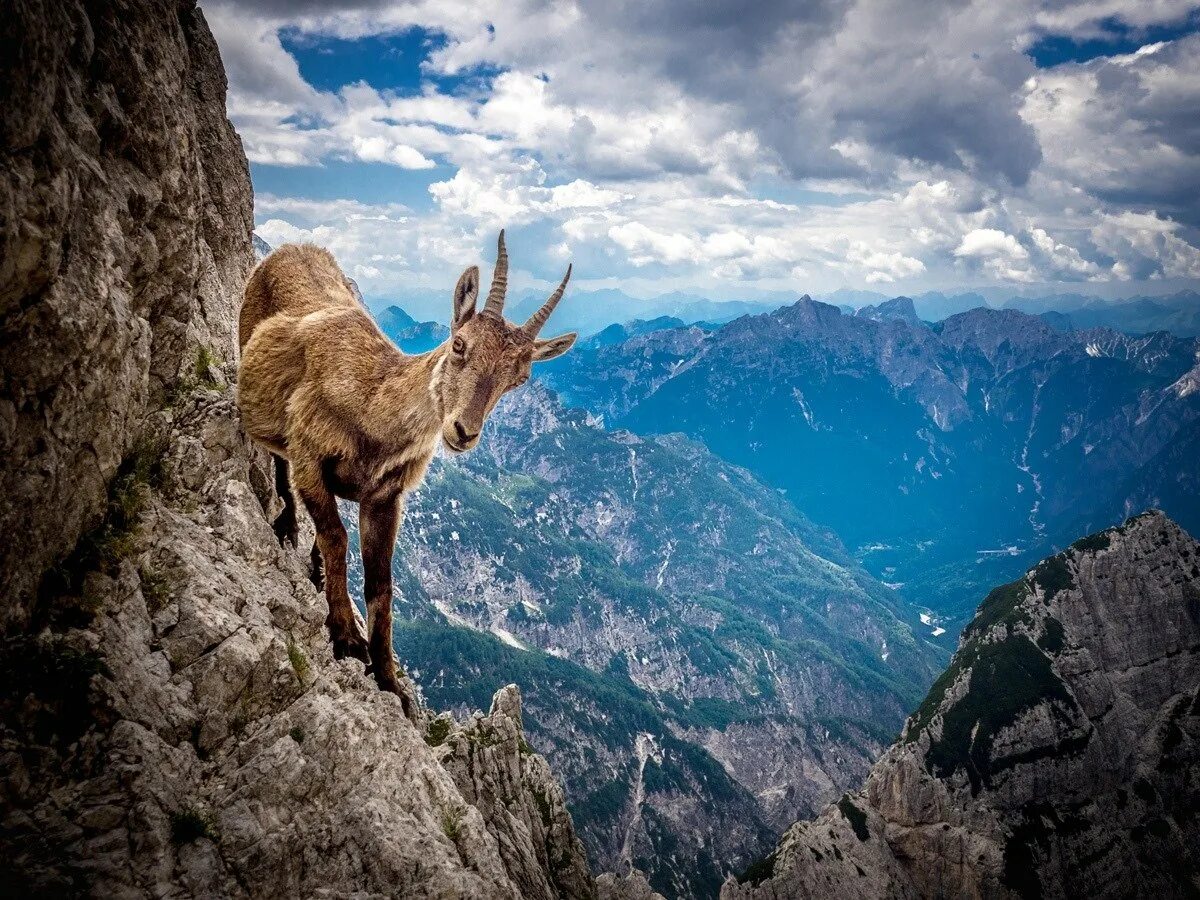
[172,722]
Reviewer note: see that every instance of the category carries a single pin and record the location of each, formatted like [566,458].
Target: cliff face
[171,719]
[125,231]
[1057,756]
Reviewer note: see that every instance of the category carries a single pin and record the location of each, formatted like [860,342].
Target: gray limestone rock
[1057,756]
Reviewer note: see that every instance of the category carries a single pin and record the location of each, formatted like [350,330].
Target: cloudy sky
[728,148]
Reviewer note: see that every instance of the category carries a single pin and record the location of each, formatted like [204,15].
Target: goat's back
[294,280]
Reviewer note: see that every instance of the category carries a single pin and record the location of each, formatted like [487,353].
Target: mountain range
[587,311]
[1178,313]
[592,311]
[945,456]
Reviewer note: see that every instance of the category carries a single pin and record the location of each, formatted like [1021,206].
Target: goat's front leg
[286,529]
[331,539]
[377,522]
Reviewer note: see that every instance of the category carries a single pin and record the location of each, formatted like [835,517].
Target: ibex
[352,416]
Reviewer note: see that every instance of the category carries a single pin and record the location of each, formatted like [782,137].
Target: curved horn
[538,319]
[495,297]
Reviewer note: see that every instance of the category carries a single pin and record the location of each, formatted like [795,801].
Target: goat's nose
[463,435]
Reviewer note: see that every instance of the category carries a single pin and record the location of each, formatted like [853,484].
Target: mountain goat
[352,416]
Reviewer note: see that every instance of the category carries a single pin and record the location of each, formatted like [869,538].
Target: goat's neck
[407,403]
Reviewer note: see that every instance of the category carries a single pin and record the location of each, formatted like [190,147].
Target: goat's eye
[459,346]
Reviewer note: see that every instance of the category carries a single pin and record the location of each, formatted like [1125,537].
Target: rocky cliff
[171,719]
[1058,756]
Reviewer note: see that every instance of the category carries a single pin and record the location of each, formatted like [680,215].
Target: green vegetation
[921,719]
[1054,575]
[855,816]
[543,804]
[486,662]
[452,819]
[191,824]
[1008,677]
[1001,607]
[114,540]
[205,365]
[296,733]
[603,807]
[298,660]
[202,374]
[710,712]
[157,588]
[1053,637]
[1093,542]
[437,732]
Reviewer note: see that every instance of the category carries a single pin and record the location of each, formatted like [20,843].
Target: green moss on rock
[1008,678]
[1054,575]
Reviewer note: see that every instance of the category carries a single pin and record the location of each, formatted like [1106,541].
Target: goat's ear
[466,292]
[548,349]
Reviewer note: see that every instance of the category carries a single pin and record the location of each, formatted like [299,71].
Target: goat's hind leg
[285,526]
[332,543]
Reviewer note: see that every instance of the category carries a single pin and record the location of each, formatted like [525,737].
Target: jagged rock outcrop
[172,722]
[516,792]
[1058,756]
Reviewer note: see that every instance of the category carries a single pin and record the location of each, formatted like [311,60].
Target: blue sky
[897,146]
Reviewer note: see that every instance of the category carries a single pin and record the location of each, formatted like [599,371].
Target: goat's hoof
[388,681]
[286,530]
[353,646]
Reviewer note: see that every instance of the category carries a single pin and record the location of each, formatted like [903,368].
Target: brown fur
[352,416]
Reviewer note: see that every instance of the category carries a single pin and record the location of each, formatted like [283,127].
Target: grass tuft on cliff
[192,824]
